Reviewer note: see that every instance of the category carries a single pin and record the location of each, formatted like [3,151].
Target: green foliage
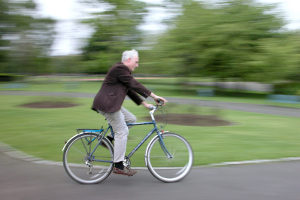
[238,39]
[10,77]
[24,40]
[289,88]
[67,64]
[115,31]
[293,72]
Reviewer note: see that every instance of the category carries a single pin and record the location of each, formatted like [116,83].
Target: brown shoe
[125,171]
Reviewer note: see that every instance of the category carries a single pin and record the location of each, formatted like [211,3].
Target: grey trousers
[118,122]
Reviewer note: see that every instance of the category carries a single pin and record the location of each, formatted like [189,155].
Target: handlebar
[153,108]
[159,102]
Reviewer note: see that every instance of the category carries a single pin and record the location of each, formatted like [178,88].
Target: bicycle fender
[70,140]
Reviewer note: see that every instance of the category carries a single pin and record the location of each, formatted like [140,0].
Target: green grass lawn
[42,132]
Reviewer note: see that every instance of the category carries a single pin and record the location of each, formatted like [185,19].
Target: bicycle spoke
[84,146]
[77,150]
[90,145]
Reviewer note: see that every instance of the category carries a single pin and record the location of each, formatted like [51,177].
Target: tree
[25,38]
[293,72]
[231,40]
[115,31]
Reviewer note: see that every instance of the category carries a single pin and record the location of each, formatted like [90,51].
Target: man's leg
[117,121]
[129,117]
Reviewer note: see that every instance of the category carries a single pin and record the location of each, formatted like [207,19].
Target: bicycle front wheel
[169,159]
[86,161]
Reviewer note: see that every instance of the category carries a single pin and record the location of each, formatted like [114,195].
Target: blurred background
[234,41]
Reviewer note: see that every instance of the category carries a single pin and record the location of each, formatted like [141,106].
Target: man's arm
[127,79]
[134,97]
[158,99]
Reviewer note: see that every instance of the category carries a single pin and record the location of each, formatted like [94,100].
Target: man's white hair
[129,54]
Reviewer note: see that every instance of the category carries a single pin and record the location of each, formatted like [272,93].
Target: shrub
[290,88]
[10,77]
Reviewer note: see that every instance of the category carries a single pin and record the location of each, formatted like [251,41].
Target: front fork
[163,146]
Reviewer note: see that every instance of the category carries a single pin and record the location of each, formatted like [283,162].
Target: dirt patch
[49,104]
[191,120]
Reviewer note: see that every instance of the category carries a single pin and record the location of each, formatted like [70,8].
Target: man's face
[133,63]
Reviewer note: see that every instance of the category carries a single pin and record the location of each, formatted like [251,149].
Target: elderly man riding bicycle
[118,83]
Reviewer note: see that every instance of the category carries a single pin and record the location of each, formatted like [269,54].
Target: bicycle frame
[155,129]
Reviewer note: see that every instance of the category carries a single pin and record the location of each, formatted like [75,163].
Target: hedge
[10,77]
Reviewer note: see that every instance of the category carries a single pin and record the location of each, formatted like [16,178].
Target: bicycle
[88,155]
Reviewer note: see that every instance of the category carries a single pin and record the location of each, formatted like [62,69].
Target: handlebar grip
[160,102]
[152,107]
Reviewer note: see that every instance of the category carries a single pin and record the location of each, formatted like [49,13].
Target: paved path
[21,180]
[257,108]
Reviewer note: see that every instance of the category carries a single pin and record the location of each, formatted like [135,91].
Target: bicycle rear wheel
[83,167]
[164,167]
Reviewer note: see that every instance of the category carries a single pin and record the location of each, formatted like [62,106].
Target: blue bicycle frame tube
[141,123]
[142,142]
[106,161]
[100,140]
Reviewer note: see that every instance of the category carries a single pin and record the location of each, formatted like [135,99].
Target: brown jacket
[117,84]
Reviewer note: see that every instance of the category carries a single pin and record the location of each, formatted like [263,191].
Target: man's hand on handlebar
[159,100]
[148,105]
